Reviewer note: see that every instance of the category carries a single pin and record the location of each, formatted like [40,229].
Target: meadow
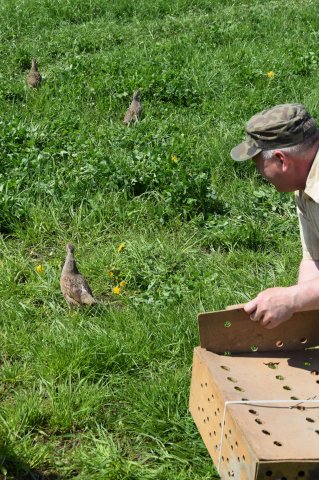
[102,393]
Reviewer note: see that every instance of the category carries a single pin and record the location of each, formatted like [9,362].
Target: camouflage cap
[278,127]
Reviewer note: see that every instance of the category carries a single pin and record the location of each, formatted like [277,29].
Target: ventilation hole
[280,377]
[244,458]
[198,408]
[236,443]
[277,443]
[238,459]
[268,473]
[202,409]
[266,432]
[226,435]
[204,420]
[232,447]
[224,367]
[301,473]
[303,340]
[314,372]
[210,434]
[286,387]
[311,420]
[227,324]
[232,379]
[257,420]
[222,458]
[218,409]
[253,348]
[253,412]
[294,398]
[317,431]
[205,384]
[239,389]
[201,385]
[300,407]
[208,399]
[317,381]
[207,418]
[244,399]
[307,364]
[215,414]
[279,343]
[272,365]
[229,431]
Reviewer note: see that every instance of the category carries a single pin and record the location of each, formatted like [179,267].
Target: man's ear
[283,159]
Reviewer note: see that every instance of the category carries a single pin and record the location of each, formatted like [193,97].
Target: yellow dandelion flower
[174,158]
[123,283]
[116,290]
[271,74]
[39,269]
[121,247]
[111,273]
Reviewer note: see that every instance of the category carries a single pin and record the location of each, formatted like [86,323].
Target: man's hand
[272,306]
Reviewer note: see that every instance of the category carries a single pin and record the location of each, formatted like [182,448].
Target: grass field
[102,393]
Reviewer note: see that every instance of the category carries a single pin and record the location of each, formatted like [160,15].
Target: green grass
[103,393]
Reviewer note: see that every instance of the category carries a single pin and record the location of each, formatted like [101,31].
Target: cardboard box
[255,396]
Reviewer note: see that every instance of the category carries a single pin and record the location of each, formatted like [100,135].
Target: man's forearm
[276,305]
[308,270]
[305,295]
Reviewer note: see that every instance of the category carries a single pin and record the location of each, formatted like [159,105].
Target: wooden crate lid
[232,331]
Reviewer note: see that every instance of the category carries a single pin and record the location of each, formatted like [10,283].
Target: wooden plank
[206,405]
[231,331]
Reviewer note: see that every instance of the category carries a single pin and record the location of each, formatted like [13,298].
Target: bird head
[70,248]
[136,95]
[34,64]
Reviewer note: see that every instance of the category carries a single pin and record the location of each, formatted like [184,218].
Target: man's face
[278,172]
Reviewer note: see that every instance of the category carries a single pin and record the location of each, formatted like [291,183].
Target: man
[283,142]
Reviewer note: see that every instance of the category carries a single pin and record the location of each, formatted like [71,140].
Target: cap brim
[244,151]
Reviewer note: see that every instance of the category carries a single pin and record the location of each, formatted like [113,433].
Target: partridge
[74,287]
[135,109]
[34,77]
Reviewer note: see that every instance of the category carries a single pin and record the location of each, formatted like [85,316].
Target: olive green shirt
[307,201]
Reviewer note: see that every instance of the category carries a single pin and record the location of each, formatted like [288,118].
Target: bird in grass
[134,110]
[34,77]
[74,287]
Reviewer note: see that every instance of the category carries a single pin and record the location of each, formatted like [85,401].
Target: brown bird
[34,77]
[74,287]
[134,110]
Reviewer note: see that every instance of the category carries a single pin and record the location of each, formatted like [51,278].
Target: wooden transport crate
[255,395]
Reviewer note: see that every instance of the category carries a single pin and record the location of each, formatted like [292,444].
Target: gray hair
[306,145]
